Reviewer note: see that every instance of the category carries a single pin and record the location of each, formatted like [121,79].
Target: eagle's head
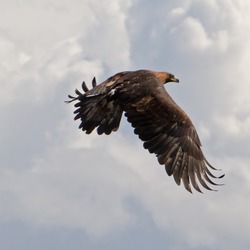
[171,78]
[165,77]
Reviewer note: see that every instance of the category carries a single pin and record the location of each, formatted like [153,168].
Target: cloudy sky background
[62,189]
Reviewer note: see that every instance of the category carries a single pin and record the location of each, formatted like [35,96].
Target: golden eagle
[165,128]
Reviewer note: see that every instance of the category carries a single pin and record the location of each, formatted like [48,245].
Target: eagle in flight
[160,123]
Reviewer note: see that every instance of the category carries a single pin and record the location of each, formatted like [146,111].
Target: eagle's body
[164,127]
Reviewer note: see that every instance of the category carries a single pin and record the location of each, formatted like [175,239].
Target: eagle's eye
[171,76]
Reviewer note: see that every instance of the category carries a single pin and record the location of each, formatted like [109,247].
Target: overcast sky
[62,189]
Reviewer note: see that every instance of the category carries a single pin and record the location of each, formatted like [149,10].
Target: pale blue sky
[62,189]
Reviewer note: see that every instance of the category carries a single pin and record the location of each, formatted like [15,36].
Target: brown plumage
[165,128]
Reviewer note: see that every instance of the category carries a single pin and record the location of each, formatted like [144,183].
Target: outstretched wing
[167,132]
[96,108]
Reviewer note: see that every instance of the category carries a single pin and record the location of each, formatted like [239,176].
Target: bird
[165,129]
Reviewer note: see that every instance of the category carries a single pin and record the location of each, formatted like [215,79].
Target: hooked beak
[174,79]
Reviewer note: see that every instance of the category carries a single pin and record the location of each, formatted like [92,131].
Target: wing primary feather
[175,169]
[217,177]
[185,180]
[210,174]
[72,99]
[210,165]
[78,92]
[168,166]
[84,87]
[210,181]
[78,116]
[191,173]
[163,158]
[94,82]
[184,163]
[202,182]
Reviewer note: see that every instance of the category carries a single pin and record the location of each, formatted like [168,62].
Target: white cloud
[58,192]
[192,31]
[54,176]
[38,68]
